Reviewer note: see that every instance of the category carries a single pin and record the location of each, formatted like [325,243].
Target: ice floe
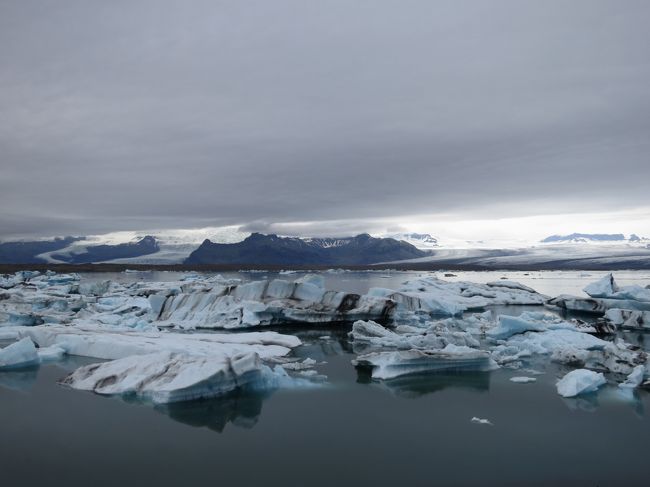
[481,421]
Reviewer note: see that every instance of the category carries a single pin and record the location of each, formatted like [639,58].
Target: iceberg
[634,379]
[605,294]
[435,336]
[581,381]
[389,365]
[566,342]
[445,298]
[264,303]
[514,325]
[18,355]
[608,288]
[630,319]
[167,377]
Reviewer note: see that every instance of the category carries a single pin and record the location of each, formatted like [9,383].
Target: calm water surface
[415,431]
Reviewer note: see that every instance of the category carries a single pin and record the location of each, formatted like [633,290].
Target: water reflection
[21,380]
[242,410]
[417,385]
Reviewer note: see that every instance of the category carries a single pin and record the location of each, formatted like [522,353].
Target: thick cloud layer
[152,114]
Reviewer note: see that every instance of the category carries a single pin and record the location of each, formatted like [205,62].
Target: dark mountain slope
[273,250]
[26,252]
[99,253]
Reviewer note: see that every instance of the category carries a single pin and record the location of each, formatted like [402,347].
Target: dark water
[414,431]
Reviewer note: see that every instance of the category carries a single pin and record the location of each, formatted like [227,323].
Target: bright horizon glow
[450,230]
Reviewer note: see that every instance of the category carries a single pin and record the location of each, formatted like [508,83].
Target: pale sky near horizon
[509,119]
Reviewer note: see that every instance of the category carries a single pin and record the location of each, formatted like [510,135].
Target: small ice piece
[481,421]
[52,353]
[635,379]
[19,354]
[522,379]
[581,381]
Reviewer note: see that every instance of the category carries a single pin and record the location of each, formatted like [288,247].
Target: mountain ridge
[272,249]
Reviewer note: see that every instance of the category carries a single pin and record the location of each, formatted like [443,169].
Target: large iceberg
[167,377]
[263,303]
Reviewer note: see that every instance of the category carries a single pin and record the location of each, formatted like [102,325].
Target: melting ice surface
[348,416]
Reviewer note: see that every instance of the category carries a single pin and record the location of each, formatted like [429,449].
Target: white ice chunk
[481,421]
[581,381]
[607,288]
[19,354]
[602,288]
[635,378]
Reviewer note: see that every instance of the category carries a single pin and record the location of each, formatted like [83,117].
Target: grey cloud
[128,115]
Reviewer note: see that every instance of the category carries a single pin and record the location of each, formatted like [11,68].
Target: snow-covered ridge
[595,239]
[422,241]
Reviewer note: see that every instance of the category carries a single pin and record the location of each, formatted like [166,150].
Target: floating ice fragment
[580,381]
[481,421]
[635,378]
[19,354]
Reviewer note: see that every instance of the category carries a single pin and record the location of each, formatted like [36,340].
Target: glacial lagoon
[346,430]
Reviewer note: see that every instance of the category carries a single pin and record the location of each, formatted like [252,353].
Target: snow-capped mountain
[259,249]
[595,238]
[419,240]
[173,246]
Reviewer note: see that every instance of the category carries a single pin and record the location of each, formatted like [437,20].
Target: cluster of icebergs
[148,333]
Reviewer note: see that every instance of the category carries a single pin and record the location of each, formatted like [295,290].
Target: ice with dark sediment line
[265,303]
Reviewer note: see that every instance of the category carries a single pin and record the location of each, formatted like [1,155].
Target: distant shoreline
[417,266]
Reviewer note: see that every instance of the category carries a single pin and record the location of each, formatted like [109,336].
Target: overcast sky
[322,116]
